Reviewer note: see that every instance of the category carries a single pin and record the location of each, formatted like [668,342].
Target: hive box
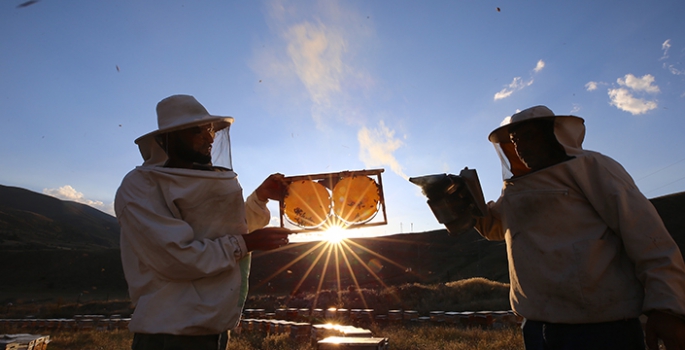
[353,343]
[24,341]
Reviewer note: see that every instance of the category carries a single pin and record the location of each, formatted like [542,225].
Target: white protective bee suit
[182,249]
[584,244]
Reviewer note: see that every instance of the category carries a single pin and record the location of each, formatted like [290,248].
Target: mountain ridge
[54,246]
[32,220]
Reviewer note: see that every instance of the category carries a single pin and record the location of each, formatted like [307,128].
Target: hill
[57,247]
[672,208]
[33,221]
[428,257]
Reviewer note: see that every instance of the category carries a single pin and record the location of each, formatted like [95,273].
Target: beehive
[353,343]
[24,341]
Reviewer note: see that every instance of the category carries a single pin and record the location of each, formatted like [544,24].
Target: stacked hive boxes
[24,341]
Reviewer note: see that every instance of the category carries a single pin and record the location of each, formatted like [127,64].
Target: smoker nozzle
[456,200]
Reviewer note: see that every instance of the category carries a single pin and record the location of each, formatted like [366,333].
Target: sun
[334,234]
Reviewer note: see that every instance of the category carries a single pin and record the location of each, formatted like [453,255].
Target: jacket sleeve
[490,226]
[167,245]
[258,215]
[627,212]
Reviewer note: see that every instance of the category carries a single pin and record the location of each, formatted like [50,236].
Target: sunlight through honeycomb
[344,200]
[355,199]
[307,203]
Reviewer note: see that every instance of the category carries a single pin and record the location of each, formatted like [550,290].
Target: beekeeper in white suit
[187,232]
[588,253]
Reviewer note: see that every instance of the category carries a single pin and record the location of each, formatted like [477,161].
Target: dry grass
[465,295]
[62,309]
[473,294]
[428,336]
[452,338]
[256,341]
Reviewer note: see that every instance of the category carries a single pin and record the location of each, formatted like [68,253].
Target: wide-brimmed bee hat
[179,112]
[501,134]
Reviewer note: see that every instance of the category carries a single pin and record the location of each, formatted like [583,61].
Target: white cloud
[515,85]
[376,147]
[518,84]
[639,84]
[314,57]
[594,85]
[70,194]
[665,46]
[316,54]
[623,99]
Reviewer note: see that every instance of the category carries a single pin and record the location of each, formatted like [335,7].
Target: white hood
[568,129]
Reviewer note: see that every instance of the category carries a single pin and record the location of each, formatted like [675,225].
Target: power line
[658,170]
[672,182]
[666,167]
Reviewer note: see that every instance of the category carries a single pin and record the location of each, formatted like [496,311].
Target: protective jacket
[584,244]
[182,249]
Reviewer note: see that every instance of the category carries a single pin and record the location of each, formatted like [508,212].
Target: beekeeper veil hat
[569,130]
[180,112]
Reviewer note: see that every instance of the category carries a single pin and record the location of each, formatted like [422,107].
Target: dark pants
[179,342]
[616,335]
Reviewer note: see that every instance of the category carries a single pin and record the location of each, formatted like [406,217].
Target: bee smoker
[456,200]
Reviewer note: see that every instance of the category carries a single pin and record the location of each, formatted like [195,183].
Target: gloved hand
[272,188]
[267,238]
[669,328]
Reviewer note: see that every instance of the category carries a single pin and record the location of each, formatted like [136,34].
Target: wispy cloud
[69,193]
[518,83]
[377,147]
[672,68]
[515,85]
[539,66]
[591,86]
[665,47]
[575,109]
[624,97]
[675,71]
[316,52]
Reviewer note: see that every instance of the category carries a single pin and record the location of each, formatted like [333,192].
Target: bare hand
[670,329]
[272,188]
[267,238]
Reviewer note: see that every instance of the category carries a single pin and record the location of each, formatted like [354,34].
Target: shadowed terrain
[51,247]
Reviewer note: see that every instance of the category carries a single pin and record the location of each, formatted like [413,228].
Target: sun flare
[334,234]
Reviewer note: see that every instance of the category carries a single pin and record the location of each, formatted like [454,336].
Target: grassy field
[465,295]
[474,294]
[427,336]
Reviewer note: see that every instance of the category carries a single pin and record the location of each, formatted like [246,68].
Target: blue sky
[324,86]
